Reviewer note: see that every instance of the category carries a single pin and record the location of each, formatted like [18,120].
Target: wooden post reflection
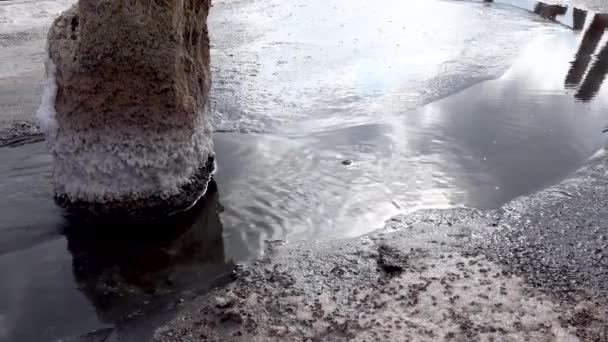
[588,45]
[595,77]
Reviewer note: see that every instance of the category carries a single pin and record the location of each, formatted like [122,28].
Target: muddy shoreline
[436,275]
[450,275]
[534,269]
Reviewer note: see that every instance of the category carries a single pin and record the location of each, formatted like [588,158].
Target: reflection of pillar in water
[120,266]
[549,11]
[588,45]
[578,19]
[595,77]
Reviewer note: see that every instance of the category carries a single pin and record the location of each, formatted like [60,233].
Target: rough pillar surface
[126,103]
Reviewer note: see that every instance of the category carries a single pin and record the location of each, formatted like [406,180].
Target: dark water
[64,276]
[324,141]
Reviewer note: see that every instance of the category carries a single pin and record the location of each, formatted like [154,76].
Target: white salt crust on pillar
[125,108]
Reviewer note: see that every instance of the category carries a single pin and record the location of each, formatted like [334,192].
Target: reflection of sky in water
[481,147]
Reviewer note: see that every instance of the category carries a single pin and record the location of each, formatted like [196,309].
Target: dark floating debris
[347,162]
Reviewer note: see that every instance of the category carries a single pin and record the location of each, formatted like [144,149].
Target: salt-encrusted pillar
[125,107]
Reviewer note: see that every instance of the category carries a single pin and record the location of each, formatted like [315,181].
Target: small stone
[223,302]
[232,316]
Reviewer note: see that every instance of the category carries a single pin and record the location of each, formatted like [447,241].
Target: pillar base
[149,207]
[125,107]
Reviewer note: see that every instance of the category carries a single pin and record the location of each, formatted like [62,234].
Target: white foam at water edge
[46,115]
[110,163]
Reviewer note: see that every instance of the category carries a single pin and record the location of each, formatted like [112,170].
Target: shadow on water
[134,274]
[121,265]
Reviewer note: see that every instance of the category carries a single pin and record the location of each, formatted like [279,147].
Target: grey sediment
[19,133]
